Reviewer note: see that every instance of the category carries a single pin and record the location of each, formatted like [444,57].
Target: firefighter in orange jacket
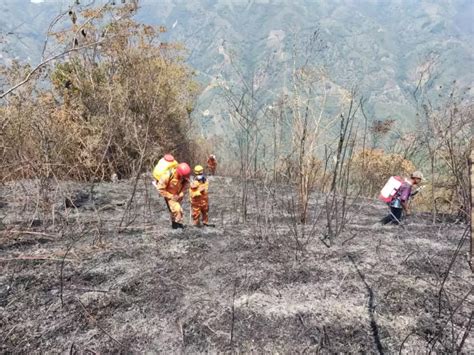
[198,195]
[212,164]
[172,187]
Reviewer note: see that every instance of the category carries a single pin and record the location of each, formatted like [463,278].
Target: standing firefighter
[198,196]
[171,181]
[212,164]
[399,201]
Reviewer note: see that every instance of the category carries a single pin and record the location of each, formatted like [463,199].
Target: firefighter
[212,164]
[198,196]
[172,186]
[399,202]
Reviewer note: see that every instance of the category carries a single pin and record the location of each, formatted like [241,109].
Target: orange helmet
[183,170]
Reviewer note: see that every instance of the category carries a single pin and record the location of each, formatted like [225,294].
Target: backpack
[164,166]
[390,188]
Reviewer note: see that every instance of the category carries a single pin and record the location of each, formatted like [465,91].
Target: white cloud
[36,1]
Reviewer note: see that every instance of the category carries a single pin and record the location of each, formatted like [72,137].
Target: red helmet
[183,170]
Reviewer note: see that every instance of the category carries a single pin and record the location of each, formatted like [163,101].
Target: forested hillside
[378,46]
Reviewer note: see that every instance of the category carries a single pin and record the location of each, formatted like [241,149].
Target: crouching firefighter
[172,185]
[198,196]
[399,200]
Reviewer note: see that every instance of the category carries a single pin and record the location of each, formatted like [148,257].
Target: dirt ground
[89,270]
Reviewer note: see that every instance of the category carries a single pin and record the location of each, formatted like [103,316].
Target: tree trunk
[471,162]
[434,209]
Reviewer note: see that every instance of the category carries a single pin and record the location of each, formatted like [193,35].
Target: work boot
[177,225]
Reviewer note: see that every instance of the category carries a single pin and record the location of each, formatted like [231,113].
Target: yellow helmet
[198,170]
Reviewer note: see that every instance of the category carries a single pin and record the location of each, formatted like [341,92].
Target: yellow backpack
[164,165]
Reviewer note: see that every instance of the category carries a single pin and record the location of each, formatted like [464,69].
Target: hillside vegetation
[111,96]
[378,45]
[118,100]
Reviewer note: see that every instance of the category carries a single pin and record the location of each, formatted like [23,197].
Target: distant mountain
[376,45]
[23,28]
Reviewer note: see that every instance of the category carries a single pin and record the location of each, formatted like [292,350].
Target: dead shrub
[113,108]
[372,167]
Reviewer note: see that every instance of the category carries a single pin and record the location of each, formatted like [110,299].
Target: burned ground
[94,270]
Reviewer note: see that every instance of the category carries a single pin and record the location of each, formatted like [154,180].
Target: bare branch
[43,63]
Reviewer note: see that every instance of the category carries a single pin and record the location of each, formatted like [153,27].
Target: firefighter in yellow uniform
[198,195]
[172,187]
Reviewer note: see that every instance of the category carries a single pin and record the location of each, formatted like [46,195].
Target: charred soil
[91,268]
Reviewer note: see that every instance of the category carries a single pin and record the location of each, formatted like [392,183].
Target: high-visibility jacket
[198,192]
[170,184]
